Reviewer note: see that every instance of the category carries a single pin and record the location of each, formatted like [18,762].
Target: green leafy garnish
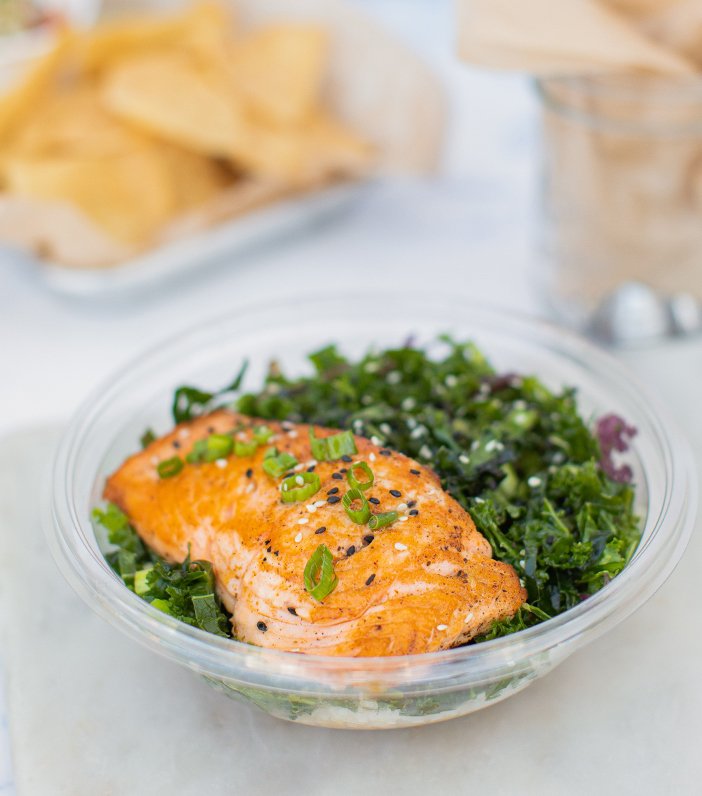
[185,591]
[189,402]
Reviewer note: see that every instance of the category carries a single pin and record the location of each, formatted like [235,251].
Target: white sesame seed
[184,433]
[402,507]
[385,428]
[534,480]
[400,546]
[475,444]
[463,459]
[371,367]
[302,521]
[411,422]
[468,617]
[311,463]
[479,500]
[221,463]
[298,537]
[375,440]
[494,445]
[408,404]
[394,377]
[250,487]
[357,424]
[425,452]
[298,468]
[371,457]
[292,434]
[299,480]
[442,627]
[418,432]
[273,438]
[450,380]
[319,503]
[403,518]
[311,507]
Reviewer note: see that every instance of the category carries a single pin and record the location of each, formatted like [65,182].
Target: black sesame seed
[268,541]
[249,473]
[385,452]
[413,513]
[374,501]
[396,493]
[322,529]
[269,549]
[351,550]
[333,499]
[292,611]
[370,580]
[333,491]
[311,469]
[346,458]
[262,626]
[411,504]
[343,470]
[337,476]
[276,552]
[176,444]
[415,472]
[368,539]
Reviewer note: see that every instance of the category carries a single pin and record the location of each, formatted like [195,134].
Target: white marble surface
[622,716]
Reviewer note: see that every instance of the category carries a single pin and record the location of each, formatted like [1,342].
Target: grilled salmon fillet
[426,582]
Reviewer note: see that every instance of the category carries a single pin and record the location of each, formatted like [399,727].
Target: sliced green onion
[278,464]
[216,446]
[270,453]
[262,434]
[219,446]
[170,467]
[299,487]
[242,448]
[320,580]
[333,447]
[359,516]
[362,485]
[342,444]
[197,452]
[147,438]
[320,452]
[381,520]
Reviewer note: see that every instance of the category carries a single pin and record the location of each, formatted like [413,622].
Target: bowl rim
[656,557]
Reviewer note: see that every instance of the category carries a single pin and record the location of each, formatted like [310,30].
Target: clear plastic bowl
[365,692]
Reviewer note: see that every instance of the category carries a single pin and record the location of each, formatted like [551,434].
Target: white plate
[229,239]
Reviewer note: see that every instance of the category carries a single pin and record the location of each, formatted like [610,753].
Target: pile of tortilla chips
[138,123]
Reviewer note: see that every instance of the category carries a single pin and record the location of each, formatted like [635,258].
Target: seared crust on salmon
[426,582]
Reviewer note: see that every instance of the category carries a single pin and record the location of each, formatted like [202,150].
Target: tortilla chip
[73,121]
[166,94]
[112,42]
[317,149]
[129,195]
[279,70]
[17,104]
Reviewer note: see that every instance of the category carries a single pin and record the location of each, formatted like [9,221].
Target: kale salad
[538,479]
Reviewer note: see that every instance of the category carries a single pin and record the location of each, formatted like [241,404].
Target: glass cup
[621,204]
